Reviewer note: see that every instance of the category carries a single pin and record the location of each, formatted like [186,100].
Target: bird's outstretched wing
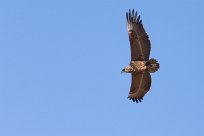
[139,40]
[141,83]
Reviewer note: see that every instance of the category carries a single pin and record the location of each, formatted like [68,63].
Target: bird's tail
[153,65]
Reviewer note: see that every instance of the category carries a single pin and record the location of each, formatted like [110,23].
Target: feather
[138,19]
[140,44]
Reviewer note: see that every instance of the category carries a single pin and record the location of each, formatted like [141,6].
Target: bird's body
[140,65]
[135,67]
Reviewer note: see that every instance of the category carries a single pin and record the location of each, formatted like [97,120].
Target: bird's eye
[123,70]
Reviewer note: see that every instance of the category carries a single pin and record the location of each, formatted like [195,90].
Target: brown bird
[140,65]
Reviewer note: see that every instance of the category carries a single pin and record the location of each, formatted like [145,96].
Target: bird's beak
[123,71]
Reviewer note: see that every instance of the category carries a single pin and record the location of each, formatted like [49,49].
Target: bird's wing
[139,40]
[141,83]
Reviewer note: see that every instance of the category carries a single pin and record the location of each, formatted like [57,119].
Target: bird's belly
[138,66]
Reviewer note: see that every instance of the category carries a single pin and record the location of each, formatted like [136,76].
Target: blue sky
[61,62]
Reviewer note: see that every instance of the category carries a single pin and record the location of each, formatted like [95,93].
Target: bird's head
[127,69]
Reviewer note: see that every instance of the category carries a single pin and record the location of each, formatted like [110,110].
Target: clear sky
[60,64]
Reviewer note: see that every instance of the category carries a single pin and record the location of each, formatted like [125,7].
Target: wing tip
[133,17]
[135,99]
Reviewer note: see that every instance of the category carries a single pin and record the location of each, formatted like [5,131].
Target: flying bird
[140,65]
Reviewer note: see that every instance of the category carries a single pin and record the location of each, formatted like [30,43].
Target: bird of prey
[140,65]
